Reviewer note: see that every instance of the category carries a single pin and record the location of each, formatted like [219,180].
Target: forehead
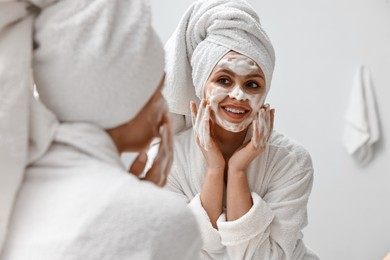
[234,59]
[235,56]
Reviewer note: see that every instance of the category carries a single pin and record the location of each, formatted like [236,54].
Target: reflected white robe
[78,202]
[280,180]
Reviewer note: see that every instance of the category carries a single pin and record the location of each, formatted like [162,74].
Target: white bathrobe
[78,202]
[280,180]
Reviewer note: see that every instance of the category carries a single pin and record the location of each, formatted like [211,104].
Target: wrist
[216,170]
[236,172]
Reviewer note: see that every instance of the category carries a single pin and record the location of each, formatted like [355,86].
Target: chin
[234,127]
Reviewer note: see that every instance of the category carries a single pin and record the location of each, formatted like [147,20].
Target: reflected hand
[202,125]
[159,171]
[262,129]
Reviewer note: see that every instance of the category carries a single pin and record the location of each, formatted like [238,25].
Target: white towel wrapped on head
[207,31]
[94,60]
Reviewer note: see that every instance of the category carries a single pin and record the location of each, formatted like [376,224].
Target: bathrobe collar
[90,139]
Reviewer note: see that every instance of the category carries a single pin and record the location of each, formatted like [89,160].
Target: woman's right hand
[158,173]
[202,124]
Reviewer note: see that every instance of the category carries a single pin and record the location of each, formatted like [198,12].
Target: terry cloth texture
[95,62]
[361,129]
[280,180]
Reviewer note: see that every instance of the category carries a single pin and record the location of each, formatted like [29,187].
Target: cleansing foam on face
[243,66]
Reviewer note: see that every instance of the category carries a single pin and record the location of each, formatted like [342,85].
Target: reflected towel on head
[207,31]
[97,62]
[361,130]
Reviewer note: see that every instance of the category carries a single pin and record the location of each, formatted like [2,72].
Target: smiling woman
[247,185]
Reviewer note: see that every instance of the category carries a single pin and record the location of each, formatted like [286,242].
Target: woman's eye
[252,85]
[223,81]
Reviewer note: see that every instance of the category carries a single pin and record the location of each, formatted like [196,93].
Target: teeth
[236,111]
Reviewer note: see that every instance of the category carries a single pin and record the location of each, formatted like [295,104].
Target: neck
[227,141]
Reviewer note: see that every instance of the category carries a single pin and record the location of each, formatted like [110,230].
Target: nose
[237,93]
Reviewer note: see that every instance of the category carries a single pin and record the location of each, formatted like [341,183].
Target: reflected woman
[247,184]
[64,191]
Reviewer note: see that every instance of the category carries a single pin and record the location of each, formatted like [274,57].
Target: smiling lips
[235,112]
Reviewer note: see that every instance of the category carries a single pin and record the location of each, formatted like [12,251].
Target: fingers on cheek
[203,126]
[262,126]
[200,131]
[272,118]
[193,118]
[199,116]
[255,138]
[200,123]
[206,133]
[269,123]
[269,117]
[193,112]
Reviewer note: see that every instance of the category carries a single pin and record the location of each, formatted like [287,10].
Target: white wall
[319,46]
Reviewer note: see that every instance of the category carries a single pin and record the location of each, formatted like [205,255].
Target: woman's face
[145,126]
[236,90]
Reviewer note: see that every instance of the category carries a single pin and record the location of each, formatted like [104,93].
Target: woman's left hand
[202,125]
[262,129]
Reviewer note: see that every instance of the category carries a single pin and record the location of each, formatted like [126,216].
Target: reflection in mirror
[247,184]
[319,47]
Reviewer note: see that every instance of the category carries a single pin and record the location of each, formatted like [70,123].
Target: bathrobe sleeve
[212,247]
[271,229]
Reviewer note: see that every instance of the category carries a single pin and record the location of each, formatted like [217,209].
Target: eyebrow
[232,74]
[255,76]
[225,71]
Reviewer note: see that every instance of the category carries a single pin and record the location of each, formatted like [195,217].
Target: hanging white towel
[361,121]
